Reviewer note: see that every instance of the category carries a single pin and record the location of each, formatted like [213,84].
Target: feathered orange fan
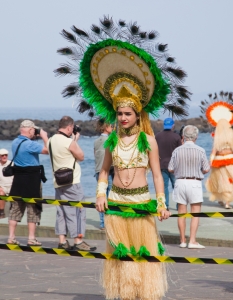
[219,110]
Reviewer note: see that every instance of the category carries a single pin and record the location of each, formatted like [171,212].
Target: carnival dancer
[120,79]
[220,182]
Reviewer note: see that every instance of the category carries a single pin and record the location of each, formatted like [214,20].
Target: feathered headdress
[218,107]
[117,62]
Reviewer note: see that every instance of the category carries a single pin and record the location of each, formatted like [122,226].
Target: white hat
[3,151]
[28,123]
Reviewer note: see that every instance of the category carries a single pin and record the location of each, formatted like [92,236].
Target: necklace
[129,146]
[129,131]
[126,166]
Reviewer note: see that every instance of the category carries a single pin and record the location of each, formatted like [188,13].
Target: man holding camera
[28,174]
[65,154]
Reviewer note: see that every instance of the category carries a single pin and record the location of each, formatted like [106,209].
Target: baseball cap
[28,123]
[3,151]
[168,123]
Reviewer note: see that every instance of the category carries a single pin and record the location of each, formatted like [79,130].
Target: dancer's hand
[101,204]
[164,214]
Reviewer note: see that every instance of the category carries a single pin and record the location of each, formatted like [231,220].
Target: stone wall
[9,129]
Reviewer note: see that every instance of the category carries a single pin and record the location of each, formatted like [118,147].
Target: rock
[10,129]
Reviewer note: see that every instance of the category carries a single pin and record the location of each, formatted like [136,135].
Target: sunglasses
[4,155]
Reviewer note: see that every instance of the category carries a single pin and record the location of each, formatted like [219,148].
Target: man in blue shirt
[28,174]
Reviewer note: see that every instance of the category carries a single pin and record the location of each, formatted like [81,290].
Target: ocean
[88,165]
[86,143]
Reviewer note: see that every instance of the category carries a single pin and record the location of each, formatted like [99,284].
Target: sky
[198,34]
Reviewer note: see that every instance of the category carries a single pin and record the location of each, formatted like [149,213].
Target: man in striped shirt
[189,164]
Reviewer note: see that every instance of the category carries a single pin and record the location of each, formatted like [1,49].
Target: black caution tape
[85,254]
[120,208]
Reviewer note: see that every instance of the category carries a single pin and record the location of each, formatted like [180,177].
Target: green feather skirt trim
[127,210]
[122,251]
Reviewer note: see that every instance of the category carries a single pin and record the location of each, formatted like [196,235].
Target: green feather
[133,251]
[143,144]
[143,251]
[121,251]
[111,141]
[150,207]
[104,108]
[161,249]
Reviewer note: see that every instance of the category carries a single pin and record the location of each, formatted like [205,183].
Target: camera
[76,129]
[37,131]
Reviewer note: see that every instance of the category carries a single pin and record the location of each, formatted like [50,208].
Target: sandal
[13,242]
[34,242]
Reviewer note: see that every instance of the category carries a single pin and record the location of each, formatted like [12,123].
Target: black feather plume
[175,110]
[170,59]
[210,95]
[106,22]
[226,94]
[64,70]
[181,102]
[152,35]
[95,29]
[202,102]
[178,72]
[215,96]
[221,93]
[143,35]
[183,92]
[70,90]
[79,31]
[91,114]
[65,51]
[134,28]
[122,23]
[83,106]
[162,47]
[230,96]
[69,36]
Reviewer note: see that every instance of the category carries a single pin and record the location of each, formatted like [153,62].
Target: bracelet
[161,202]
[101,188]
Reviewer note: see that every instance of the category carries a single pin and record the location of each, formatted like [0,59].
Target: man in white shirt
[65,153]
[5,182]
[189,164]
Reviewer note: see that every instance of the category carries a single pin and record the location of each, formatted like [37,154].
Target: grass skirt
[133,280]
[220,184]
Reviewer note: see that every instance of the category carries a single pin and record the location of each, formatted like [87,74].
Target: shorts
[188,191]
[17,211]
[6,189]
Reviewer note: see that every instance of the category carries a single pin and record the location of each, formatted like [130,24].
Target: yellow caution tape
[108,256]
[119,208]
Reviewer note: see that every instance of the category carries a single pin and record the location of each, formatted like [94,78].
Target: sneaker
[183,245]
[102,228]
[65,246]
[83,247]
[195,246]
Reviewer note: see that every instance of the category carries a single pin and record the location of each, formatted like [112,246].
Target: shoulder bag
[63,176]
[9,170]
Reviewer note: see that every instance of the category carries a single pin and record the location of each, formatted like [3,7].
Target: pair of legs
[110,180]
[33,217]
[70,219]
[182,209]
[166,177]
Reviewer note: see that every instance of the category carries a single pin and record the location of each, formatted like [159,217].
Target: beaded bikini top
[127,158]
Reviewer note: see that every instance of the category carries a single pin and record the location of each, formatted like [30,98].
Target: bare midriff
[126,176]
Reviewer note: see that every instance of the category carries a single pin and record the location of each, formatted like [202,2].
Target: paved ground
[28,276]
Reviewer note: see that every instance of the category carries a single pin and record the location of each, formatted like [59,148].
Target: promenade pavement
[29,276]
[211,231]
